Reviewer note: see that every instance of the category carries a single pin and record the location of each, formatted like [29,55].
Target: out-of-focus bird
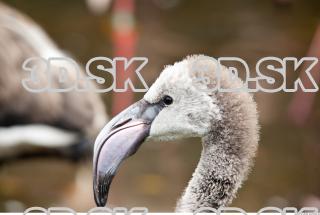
[38,125]
[46,123]
[185,102]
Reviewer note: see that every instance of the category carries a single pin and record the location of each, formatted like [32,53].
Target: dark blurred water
[287,165]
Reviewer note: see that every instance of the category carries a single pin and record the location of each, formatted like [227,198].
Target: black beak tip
[101,190]
[100,198]
[100,201]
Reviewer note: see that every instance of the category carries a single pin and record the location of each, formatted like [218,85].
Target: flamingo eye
[167,100]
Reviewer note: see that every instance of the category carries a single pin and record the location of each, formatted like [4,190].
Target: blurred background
[287,168]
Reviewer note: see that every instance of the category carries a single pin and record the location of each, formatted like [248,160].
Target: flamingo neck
[224,163]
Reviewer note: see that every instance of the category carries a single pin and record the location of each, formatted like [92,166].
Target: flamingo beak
[118,140]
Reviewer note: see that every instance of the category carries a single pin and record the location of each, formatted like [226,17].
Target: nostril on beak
[121,123]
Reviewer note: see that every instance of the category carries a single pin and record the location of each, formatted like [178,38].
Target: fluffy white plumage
[227,122]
